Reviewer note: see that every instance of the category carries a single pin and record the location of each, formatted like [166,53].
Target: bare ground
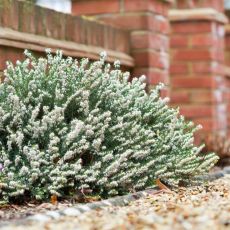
[201,207]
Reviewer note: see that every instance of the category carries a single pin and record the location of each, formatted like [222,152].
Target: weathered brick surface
[154,75]
[194,82]
[26,17]
[11,54]
[206,67]
[143,21]
[192,55]
[194,111]
[227,72]
[148,23]
[146,5]
[197,96]
[149,40]
[179,68]
[197,66]
[179,97]
[81,7]
[150,57]
[191,4]
[185,27]
[9,14]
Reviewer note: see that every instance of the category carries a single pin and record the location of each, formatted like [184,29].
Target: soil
[197,207]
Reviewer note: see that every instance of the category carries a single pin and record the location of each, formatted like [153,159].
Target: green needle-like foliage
[67,126]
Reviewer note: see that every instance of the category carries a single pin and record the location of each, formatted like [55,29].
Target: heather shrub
[67,126]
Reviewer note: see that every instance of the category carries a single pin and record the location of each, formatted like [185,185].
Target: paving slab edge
[116,201]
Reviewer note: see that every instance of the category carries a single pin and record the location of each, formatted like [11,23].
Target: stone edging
[116,201]
[81,208]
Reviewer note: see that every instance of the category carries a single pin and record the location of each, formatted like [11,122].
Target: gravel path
[201,207]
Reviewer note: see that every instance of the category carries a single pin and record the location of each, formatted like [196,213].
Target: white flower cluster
[68,125]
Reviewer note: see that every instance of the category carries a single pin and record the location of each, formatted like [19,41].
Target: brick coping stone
[203,14]
[116,201]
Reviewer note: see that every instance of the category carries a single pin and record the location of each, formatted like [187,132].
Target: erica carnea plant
[67,125]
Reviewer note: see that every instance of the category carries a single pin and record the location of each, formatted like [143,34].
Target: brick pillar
[197,63]
[147,21]
[194,4]
[227,69]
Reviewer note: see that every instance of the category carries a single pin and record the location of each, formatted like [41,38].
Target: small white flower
[117,64]
[103,54]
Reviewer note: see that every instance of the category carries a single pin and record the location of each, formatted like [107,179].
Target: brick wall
[227,69]
[24,25]
[148,24]
[197,63]
[195,4]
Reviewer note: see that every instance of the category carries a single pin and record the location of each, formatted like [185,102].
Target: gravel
[198,207]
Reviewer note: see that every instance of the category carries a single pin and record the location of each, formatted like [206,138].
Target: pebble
[199,207]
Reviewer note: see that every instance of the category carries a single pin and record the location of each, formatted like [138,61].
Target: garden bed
[27,215]
[187,208]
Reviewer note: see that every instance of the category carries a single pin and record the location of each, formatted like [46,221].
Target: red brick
[109,38]
[179,97]
[226,95]
[142,40]
[207,124]
[182,4]
[92,7]
[70,28]
[159,23]
[208,67]
[40,20]
[138,5]
[55,24]
[218,54]
[192,55]
[227,83]
[216,4]
[201,40]
[122,41]
[227,57]
[156,6]
[26,20]
[195,111]
[13,54]
[219,42]
[151,58]
[179,68]
[96,34]
[191,27]
[212,123]
[9,54]
[179,41]
[194,82]
[227,40]
[143,21]
[165,92]
[201,97]
[228,108]
[153,76]
[9,14]
[2,58]
[126,21]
